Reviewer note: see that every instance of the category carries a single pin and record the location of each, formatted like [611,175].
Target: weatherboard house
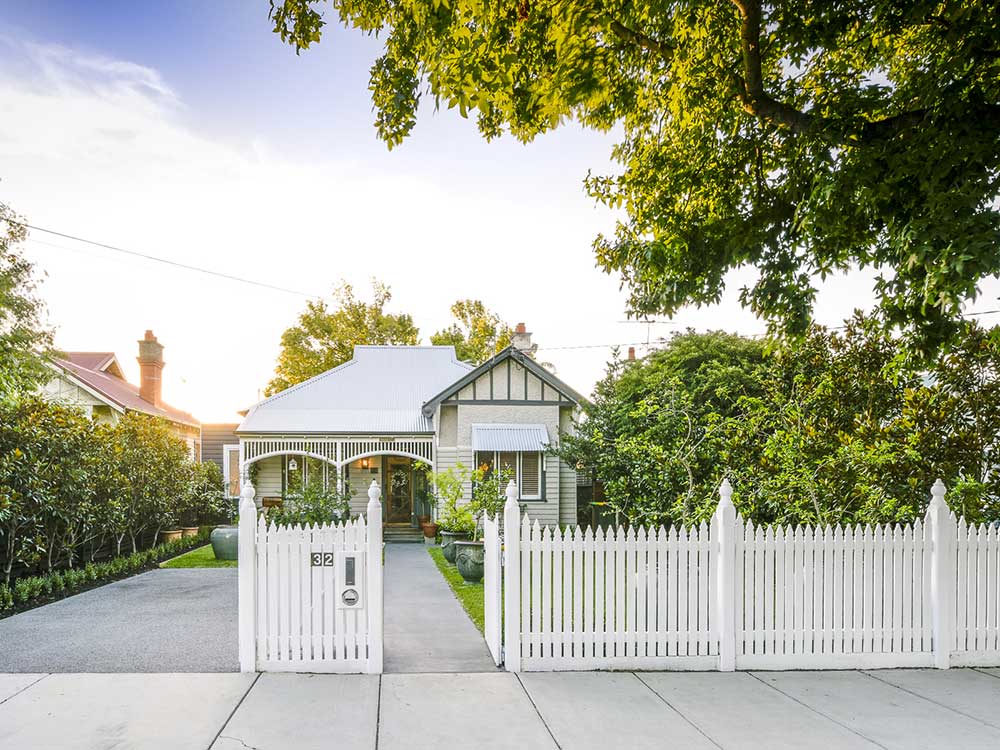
[392,408]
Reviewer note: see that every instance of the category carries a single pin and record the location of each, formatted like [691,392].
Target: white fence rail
[735,596]
[292,583]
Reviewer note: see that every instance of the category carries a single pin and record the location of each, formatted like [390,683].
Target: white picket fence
[733,596]
[289,615]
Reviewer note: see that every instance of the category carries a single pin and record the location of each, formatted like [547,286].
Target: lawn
[469,594]
[202,557]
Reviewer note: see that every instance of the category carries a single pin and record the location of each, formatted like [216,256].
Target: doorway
[398,473]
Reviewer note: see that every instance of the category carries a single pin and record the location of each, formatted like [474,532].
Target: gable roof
[380,390]
[119,393]
[509,353]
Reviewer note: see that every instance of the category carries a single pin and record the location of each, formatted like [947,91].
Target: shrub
[312,505]
[25,590]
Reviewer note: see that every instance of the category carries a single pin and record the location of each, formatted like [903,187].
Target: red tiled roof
[116,390]
[90,360]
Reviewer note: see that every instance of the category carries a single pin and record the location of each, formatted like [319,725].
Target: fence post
[512,580]
[374,554]
[724,530]
[943,535]
[247,561]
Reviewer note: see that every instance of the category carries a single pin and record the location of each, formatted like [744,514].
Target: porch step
[402,534]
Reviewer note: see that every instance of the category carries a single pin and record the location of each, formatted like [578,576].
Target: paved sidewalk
[425,627]
[161,621]
[902,709]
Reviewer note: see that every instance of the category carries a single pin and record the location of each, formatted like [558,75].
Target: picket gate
[289,618]
[731,595]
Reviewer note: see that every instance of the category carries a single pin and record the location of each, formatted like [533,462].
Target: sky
[187,130]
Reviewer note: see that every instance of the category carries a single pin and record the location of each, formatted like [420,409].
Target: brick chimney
[522,340]
[631,354]
[150,368]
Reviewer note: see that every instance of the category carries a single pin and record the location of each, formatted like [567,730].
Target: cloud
[106,149]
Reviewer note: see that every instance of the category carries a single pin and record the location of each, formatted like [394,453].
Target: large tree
[800,138]
[839,428]
[477,334]
[324,338]
[24,338]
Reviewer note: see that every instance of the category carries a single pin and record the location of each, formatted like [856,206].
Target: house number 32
[322,559]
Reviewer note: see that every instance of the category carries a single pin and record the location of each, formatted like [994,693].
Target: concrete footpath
[908,709]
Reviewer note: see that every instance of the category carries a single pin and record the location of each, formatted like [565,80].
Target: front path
[902,709]
[426,629]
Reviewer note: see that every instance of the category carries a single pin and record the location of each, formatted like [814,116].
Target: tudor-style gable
[510,377]
[507,413]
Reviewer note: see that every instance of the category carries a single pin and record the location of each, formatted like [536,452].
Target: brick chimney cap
[149,335]
[520,328]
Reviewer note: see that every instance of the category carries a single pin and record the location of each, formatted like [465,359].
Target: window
[531,485]
[527,469]
[231,469]
[302,471]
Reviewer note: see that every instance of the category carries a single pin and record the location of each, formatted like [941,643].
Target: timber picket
[296,625]
[803,597]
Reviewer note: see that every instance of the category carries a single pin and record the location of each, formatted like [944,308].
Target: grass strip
[469,595]
[202,557]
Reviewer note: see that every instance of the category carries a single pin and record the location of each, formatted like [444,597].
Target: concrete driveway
[904,709]
[161,621]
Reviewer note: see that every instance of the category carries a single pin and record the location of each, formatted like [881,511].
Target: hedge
[25,593]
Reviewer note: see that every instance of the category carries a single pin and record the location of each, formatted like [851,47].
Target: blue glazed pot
[225,542]
[469,559]
[448,539]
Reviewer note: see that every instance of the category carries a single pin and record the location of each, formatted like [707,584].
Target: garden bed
[30,592]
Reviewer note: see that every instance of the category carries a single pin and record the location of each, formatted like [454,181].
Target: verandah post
[943,538]
[374,563]
[724,532]
[512,579]
[247,560]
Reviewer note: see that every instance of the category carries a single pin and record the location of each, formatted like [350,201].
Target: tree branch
[750,88]
[623,32]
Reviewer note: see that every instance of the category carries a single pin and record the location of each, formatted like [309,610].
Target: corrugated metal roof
[509,437]
[123,393]
[381,389]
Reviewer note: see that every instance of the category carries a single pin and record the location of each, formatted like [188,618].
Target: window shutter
[530,475]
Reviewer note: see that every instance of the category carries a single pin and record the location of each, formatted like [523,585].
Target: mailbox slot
[350,580]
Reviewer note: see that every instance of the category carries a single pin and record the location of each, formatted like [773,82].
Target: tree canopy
[800,138]
[837,429]
[477,334]
[24,338]
[324,338]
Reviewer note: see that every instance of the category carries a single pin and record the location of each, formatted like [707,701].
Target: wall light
[293,465]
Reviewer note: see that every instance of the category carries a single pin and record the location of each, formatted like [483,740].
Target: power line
[286,290]
[166,261]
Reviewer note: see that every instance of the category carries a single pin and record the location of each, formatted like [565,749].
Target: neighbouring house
[221,445]
[393,407]
[95,383]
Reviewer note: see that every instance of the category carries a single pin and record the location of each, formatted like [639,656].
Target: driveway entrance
[160,621]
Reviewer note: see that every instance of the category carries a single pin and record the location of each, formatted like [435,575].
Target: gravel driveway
[160,621]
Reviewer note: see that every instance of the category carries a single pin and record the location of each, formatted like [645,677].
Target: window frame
[230,452]
[518,472]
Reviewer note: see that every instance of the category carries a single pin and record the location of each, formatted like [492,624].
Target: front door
[399,489]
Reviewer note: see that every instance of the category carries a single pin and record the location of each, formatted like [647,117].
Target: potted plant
[487,500]
[455,522]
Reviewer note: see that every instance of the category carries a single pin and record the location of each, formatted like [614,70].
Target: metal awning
[509,437]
